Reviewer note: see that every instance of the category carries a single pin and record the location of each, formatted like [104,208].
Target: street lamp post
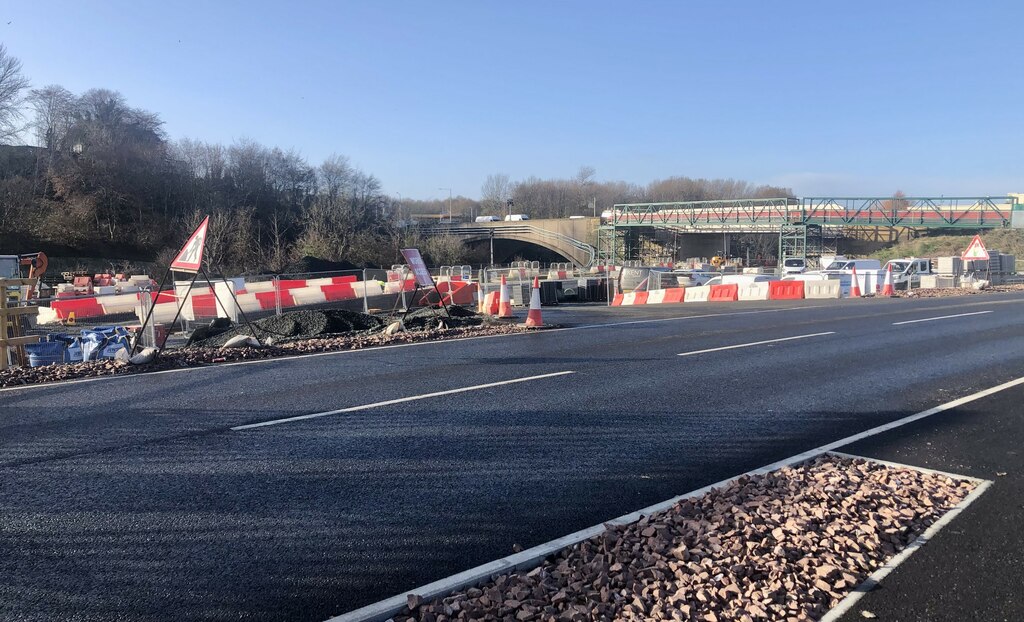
[450,218]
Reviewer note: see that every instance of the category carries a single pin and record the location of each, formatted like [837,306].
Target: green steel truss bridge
[761,214]
[807,227]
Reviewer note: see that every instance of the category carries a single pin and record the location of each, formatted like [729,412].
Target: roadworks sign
[975,250]
[190,257]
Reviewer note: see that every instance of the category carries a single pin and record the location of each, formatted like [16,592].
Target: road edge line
[532,557]
[876,577]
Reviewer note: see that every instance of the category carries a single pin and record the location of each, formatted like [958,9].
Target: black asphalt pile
[786,545]
[198,356]
[427,318]
[296,325]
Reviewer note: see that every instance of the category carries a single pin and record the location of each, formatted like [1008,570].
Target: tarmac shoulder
[971,569]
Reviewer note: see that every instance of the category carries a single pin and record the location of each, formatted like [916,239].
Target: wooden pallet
[11,339]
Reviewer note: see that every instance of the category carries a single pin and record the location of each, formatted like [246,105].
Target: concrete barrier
[822,289]
[753,291]
[696,294]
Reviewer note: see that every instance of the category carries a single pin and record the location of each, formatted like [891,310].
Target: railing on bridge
[753,214]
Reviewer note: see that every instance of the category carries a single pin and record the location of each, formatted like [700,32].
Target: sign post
[423,279]
[976,251]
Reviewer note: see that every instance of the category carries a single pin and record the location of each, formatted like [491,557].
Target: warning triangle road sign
[190,257]
[975,250]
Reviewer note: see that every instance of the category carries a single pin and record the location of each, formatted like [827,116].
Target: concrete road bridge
[572,239]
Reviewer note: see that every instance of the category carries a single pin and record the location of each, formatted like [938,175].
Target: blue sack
[45,353]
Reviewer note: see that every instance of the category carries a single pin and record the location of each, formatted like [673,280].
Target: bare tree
[495,190]
[54,109]
[12,83]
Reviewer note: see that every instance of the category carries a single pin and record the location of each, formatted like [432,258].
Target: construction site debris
[296,325]
[785,545]
[949,292]
[200,356]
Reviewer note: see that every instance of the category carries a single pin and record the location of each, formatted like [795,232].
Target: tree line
[102,178]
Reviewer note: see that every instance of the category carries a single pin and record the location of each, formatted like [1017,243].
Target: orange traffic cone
[854,285]
[533,319]
[504,304]
[887,288]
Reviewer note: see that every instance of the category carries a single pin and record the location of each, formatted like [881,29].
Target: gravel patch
[786,545]
[950,292]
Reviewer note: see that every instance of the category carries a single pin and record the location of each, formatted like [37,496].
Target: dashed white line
[941,317]
[755,343]
[400,400]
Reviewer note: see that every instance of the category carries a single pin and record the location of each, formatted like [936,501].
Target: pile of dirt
[296,325]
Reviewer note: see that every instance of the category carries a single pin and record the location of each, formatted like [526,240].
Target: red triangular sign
[190,257]
[975,250]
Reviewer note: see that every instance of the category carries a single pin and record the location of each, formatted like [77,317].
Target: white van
[487,219]
[908,271]
[741,279]
[794,265]
[846,266]
[516,217]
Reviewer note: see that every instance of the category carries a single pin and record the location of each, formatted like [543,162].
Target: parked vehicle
[794,265]
[845,266]
[516,217]
[907,272]
[741,279]
[487,219]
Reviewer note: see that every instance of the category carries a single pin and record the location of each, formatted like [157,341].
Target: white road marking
[533,557]
[941,317]
[883,571]
[754,343]
[400,400]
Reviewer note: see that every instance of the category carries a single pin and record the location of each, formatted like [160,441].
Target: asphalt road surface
[134,498]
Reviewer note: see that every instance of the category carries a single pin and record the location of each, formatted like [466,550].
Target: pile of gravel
[786,545]
[295,325]
[953,292]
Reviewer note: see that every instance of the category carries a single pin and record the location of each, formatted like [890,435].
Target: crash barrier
[724,293]
[753,291]
[786,290]
[697,294]
[823,289]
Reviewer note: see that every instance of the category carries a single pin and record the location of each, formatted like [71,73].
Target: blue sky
[854,98]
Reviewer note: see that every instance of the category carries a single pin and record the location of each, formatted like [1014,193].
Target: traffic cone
[504,304]
[854,285]
[533,319]
[887,288]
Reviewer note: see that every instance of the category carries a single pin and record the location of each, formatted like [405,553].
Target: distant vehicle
[694,278]
[794,265]
[845,266]
[607,214]
[487,219]
[516,217]
[576,217]
[741,279]
[908,271]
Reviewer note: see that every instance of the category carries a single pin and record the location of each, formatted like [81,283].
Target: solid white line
[400,400]
[883,571]
[754,343]
[298,357]
[533,557]
[941,317]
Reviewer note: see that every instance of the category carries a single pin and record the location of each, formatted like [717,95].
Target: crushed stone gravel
[786,545]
